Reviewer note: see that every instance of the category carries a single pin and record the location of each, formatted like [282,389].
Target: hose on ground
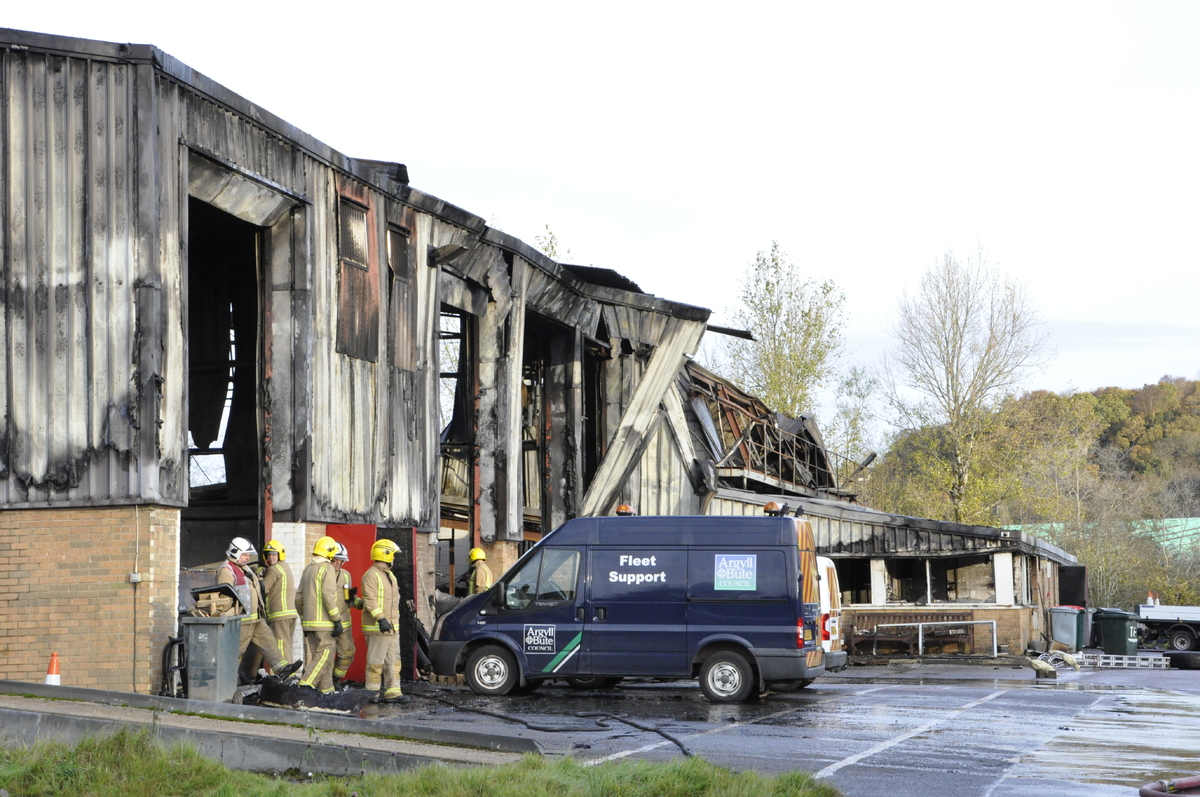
[1180,786]
[601,718]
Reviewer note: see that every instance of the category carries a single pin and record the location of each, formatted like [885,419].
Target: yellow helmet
[275,546]
[476,554]
[326,547]
[384,551]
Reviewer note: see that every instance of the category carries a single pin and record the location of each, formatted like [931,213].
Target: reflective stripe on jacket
[480,579]
[317,596]
[281,592]
[380,598]
[344,584]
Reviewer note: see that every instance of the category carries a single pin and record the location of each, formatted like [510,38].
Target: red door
[358,539]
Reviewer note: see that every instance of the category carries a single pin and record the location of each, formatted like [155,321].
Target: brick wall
[500,556]
[65,588]
[1012,627]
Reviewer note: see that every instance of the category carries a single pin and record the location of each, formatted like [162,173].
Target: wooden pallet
[1103,661]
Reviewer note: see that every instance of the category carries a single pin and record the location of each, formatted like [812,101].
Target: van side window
[549,577]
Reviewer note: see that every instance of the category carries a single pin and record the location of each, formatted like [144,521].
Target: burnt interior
[224,334]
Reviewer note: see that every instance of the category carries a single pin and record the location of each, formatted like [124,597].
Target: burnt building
[215,325]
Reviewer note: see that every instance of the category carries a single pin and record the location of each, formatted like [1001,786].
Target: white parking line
[723,728]
[854,759]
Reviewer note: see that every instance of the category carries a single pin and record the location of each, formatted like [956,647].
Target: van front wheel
[726,677]
[491,670]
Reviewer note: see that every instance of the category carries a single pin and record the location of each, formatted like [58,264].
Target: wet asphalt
[894,730]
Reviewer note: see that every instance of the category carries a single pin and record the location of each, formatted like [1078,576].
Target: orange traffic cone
[52,676]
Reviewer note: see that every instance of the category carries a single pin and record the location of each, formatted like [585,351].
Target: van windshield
[549,576]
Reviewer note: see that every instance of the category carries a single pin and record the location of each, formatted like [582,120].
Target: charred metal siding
[104,145]
[81,292]
[850,531]
[855,538]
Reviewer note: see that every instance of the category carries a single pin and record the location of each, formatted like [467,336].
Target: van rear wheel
[726,677]
[791,686]
[491,670]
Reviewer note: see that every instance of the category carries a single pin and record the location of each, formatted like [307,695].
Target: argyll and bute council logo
[539,639]
[735,572]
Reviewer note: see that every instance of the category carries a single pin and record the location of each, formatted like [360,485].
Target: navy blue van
[730,600]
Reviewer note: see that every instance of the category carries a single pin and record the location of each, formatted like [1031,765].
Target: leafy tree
[964,342]
[851,432]
[548,244]
[797,327]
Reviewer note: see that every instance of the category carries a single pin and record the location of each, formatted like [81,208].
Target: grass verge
[133,764]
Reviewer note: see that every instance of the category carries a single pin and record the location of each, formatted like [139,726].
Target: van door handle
[581,614]
[601,614]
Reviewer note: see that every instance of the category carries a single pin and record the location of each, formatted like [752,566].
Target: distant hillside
[1157,427]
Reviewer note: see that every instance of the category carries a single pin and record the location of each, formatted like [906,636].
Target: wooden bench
[865,639]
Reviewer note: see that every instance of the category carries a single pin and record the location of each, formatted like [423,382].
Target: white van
[831,614]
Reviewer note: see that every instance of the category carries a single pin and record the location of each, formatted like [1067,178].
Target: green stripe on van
[567,651]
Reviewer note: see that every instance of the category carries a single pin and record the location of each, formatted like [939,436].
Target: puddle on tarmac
[991,683]
[1129,739]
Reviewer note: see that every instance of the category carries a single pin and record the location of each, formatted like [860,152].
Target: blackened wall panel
[71,427]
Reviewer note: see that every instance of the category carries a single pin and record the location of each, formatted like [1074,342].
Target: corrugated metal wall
[96,150]
[665,486]
[69,429]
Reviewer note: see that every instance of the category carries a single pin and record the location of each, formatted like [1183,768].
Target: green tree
[548,245]
[797,327]
[964,342]
[852,430]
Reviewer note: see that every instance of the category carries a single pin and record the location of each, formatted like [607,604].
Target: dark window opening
[593,410]
[224,341]
[456,411]
[352,234]
[963,579]
[397,252]
[532,468]
[854,577]
[403,301]
[358,284]
[906,580]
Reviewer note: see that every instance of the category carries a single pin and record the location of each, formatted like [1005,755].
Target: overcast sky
[671,142]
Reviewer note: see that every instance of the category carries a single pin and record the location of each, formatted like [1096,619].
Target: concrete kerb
[310,719]
[965,660]
[236,751]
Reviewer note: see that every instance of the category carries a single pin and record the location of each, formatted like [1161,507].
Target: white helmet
[342,554]
[239,546]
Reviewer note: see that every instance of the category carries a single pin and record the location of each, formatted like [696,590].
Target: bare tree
[965,340]
[797,327]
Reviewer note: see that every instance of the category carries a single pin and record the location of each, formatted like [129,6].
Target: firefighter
[349,600]
[280,588]
[480,579]
[235,570]
[318,602]
[380,624]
